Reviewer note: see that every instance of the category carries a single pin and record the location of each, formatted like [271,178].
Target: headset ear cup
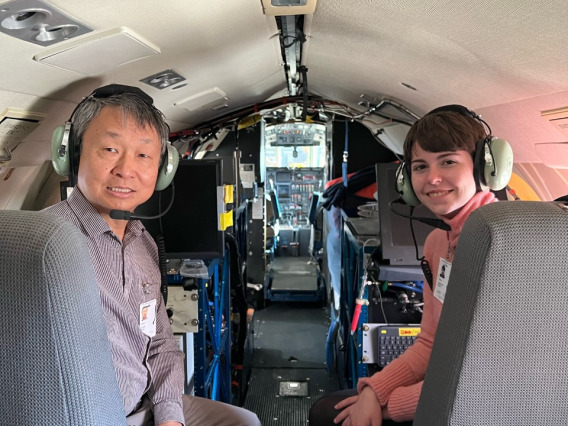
[60,150]
[168,170]
[404,186]
[497,171]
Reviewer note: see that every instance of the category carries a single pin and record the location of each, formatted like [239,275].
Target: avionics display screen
[394,231]
[283,176]
[190,228]
[295,134]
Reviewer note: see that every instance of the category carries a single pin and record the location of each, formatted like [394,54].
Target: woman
[440,152]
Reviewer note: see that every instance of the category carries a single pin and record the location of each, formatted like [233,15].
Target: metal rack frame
[353,262]
[212,348]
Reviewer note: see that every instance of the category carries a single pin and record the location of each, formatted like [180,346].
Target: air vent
[164,79]
[558,118]
[38,22]
[16,125]
[555,154]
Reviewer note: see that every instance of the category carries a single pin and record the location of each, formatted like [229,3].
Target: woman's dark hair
[444,131]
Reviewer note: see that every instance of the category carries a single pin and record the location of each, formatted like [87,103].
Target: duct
[291,46]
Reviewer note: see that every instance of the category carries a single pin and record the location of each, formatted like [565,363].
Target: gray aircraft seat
[272,214]
[315,218]
[500,355]
[56,366]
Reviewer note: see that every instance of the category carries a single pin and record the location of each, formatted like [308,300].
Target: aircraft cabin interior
[290,268]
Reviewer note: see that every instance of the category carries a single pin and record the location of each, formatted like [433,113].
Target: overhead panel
[100,52]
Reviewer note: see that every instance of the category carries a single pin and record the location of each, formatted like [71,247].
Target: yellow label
[225,220]
[414,331]
[228,193]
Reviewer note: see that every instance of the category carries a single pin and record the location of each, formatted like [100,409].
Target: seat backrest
[500,354]
[55,359]
[315,217]
[313,212]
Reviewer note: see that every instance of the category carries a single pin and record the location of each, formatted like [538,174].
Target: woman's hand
[360,410]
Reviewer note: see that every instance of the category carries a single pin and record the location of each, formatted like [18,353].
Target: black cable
[160,243]
[239,297]
[436,223]
[424,264]
[290,44]
[336,193]
[304,72]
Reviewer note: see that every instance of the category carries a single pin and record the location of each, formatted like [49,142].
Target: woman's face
[443,181]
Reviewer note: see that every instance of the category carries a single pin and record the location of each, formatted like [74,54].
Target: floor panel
[288,370]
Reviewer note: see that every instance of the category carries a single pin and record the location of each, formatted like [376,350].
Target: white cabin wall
[522,125]
[35,148]
[29,188]
[50,192]
[549,183]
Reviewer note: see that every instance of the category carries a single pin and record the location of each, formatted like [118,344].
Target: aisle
[288,371]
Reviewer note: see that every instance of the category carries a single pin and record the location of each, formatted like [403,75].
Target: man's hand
[171,423]
[360,410]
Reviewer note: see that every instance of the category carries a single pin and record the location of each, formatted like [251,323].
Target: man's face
[119,162]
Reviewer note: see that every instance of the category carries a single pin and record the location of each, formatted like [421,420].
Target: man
[119,139]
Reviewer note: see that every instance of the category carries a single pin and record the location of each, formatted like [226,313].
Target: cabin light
[120,46]
[38,22]
[164,79]
[179,86]
[288,2]
[208,99]
[220,107]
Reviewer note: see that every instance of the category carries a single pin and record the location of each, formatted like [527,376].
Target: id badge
[444,269]
[148,318]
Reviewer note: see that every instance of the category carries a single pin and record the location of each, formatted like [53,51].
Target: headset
[492,163]
[65,150]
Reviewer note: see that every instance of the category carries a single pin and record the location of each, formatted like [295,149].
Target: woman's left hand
[360,410]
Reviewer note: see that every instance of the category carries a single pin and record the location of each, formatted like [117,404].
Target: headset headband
[460,109]
[113,90]
[466,112]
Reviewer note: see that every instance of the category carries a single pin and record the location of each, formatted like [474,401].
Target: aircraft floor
[288,370]
[293,274]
